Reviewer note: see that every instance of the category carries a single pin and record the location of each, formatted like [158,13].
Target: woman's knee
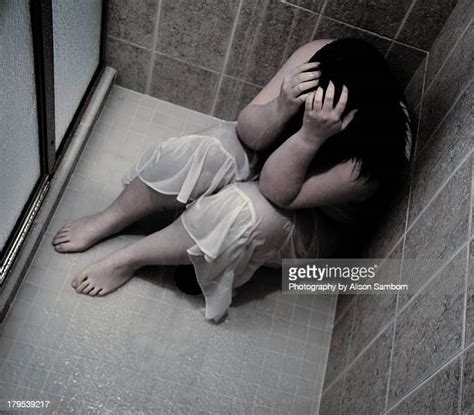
[273,223]
[260,203]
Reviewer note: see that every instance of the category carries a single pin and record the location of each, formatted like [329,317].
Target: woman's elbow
[268,191]
[244,130]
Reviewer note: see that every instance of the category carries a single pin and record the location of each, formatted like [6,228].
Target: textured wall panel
[76,29]
[19,148]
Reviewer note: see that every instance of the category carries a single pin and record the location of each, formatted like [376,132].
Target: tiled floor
[146,348]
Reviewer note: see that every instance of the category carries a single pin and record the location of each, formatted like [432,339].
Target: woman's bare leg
[136,201]
[165,247]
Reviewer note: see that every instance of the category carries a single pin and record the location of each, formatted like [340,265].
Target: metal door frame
[41,12]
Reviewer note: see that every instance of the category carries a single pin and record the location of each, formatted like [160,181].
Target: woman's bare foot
[83,233]
[103,276]
[135,202]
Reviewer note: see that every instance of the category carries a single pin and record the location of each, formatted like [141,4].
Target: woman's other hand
[321,119]
[294,87]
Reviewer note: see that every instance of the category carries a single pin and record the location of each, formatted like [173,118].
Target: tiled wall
[213,56]
[415,353]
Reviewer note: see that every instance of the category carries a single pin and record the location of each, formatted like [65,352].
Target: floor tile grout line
[466,279]
[10,310]
[285,354]
[316,397]
[322,15]
[466,287]
[392,347]
[65,331]
[397,42]
[418,126]
[165,55]
[298,7]
[341,398]
[402,25]
[440,189]
[344,311]
[154,45]
[397,301]
[384,260]
[181,61]
[464,316]
[36,389]
[243,81]
[318,20]
[347,363]
[448,56]
[407,215]
[332,317]
[350,345]
[293,23]
[222,73]
[356,27]
[405,306]
[235,23]
[203,68]
[445,116]
[352,363]
[319,394]
[461,383]
[132,92]
[130,43]
[340,378]
[378,35]
[171,105]
[326,359]
[291,304]
[431,278]
[471,216]
[449,360]
[79,300]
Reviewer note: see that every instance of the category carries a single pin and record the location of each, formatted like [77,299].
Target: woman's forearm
[259,126]
[284,172]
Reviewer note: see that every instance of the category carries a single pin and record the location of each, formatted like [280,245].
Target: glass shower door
[51,60]
[76,36]
[20,167]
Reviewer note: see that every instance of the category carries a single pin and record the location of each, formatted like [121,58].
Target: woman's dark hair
[377,137]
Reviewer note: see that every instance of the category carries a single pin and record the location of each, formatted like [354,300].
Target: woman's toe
[94,291]
[78,280]
[88,289]
[61,239]
[83,286]
[59,247]
[105,290]
[63,247]
[61,234]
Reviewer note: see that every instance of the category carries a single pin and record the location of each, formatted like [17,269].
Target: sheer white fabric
[225,230]
[235,229]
